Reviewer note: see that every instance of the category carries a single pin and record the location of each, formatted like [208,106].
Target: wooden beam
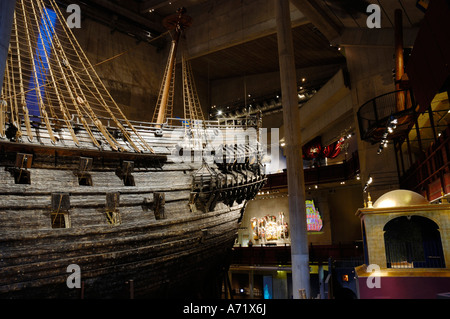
[63,151]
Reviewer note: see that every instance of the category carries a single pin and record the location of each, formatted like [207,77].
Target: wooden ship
[142,209]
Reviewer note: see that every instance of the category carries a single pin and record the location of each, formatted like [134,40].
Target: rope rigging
[50,81]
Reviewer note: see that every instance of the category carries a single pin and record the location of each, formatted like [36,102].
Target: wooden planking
[152,277]
[95,261]
[35,255]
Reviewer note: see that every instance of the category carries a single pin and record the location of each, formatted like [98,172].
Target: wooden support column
[293,151]
[6,19]
[399,59]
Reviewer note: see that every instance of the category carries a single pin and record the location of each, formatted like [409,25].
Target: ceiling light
[219,113]
[303,80]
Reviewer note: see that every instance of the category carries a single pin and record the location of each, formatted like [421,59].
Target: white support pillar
[293,151]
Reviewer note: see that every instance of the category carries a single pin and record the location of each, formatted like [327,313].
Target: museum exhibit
[224,149]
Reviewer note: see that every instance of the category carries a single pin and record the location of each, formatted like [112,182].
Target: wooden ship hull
[159,244]
[117,200]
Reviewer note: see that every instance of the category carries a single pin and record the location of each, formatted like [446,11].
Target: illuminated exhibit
[210,149]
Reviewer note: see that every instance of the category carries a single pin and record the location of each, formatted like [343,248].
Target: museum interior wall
[333,222]
[134,78]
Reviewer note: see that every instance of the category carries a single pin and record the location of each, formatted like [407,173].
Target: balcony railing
[281,255]
[375,115]
[319,175]
[430,175]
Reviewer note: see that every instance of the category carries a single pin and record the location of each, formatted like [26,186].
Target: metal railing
[414,255]
[434,165]
[376,113]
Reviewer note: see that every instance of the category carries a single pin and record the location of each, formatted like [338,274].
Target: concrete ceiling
[261,55]
[257,54]
[250,46]
[323,23]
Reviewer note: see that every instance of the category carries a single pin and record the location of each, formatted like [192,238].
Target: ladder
[192,107]
[169,71]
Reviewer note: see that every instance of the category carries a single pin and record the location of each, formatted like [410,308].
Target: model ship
[156,205]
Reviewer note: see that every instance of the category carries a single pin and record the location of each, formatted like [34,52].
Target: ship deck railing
[147,130]
[142,125]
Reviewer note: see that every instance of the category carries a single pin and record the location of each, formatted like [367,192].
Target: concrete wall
[343,203]
[370,71]
[279,203]
[337,207]
[134,78]
[222,23]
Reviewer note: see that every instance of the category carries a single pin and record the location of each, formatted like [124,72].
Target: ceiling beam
[157,27]
[235,27]
[318,17]
[148,5]
[374,37]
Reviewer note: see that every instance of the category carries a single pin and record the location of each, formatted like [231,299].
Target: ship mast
[176,22]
